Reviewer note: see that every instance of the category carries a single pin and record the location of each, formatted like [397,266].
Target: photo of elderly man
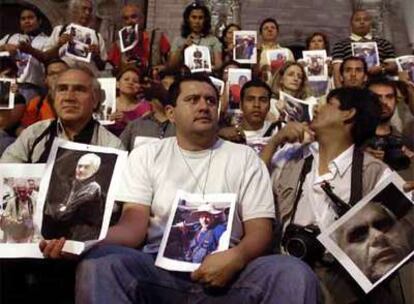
[379,236]
[75,209]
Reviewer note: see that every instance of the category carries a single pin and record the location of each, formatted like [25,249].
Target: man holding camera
[314,184]
[387,144]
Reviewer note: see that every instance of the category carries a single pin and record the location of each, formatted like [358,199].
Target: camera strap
[307,166]
[356,180]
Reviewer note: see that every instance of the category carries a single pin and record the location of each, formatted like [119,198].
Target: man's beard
[387,118]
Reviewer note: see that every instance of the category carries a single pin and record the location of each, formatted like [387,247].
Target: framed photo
[236,79]
[6,94]
[368,51]
[128,37]
[77,193]
[374,238]
[276,59]
[108,105]
[294,109]
[197,58]
[19,188]
[315,65]
[406,63]
[83,37]
[245,46]
[197,226]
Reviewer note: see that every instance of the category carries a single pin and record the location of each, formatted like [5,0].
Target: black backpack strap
[356,176]
[307,166]
[272,127]
[52,132]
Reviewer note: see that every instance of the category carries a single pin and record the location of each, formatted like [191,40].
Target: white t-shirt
[98,40]
[35,73]
[156,171]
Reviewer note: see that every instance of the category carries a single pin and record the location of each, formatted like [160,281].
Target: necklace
[202,190]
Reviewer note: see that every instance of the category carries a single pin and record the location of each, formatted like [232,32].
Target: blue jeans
[115,274]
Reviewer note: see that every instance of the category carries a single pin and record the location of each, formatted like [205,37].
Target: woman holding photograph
[129,103]
[290,79]
[315,42]
[196,30]
[227,41]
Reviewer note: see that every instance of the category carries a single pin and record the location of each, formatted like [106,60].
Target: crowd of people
[352,136]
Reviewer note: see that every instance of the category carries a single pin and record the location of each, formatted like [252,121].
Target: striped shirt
[343,49]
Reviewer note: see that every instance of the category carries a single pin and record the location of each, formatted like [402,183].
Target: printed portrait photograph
[78,50]
[6,94]
[77,194]
[19,189]
[17,209]
[406,63]
[237,79]
[196,231]
[368,51]
[315,65]
[82,38]
[379,236]
[276,59]
[128,37]
[197,58]
[108,104]
[245,46]
[23,64]
[291,109]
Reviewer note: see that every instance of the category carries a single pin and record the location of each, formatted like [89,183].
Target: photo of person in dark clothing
[75,203]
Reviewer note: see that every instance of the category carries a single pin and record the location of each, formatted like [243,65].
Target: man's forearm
[131,230]
[256,241]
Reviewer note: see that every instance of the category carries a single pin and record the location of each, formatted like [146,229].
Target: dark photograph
[75,202]
[379,236]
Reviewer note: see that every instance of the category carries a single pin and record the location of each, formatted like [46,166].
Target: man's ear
[169,111]
[349,115]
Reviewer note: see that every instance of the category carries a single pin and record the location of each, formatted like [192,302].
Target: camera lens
[296,247]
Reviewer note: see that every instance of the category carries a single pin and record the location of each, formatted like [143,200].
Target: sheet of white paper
[17,181]
[382,225]
[70,169]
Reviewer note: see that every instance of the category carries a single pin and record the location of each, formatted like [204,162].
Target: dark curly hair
[185,27]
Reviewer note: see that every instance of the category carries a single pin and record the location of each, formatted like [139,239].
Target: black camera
[301,242]
[393,154]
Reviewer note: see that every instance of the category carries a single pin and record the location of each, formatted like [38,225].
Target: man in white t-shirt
[195,161]
[254,129]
